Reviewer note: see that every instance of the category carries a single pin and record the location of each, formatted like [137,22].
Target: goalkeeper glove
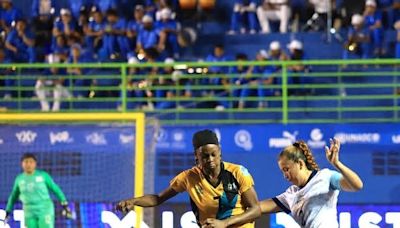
[8,215]
[66,212]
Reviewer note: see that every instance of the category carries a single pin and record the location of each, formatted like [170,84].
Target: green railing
[327,91]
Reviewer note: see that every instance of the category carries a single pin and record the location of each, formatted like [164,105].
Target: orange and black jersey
[222,201]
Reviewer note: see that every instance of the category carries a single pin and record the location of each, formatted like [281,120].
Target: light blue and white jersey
[314,205]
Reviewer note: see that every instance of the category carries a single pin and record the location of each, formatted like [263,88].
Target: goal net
[97,159]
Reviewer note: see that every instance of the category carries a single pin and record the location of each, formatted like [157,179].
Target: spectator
[115,43]
[134,27]
[148,37]
[76,57]
[106,5]
[135,82]
[7,83]
[273,10]
[55,78]
[272,73]
[42,7]
[244,11]
[95,30]
[20,43]
[318,20]
[217,77]
[76,6]
[397,27]
[64,25]
[296,72]
[61,48]
[388,12]
[373,21]
[8,15]
[240,77]
[168,33]
[358,39]
[42,28]
[165,82]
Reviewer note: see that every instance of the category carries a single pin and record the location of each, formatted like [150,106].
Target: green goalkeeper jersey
[33,191]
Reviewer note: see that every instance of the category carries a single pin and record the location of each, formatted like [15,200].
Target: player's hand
[66,211]
[332,152]
[214,223]
[7,218]
[125,205]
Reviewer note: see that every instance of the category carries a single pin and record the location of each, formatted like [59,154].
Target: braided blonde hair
[300,151]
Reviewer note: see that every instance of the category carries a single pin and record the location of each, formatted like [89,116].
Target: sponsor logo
[316,137]
[60,137]
[178,137]
[126,138]
[286,140]
[350,138]
[243,140]
[96,139]
[26,137]
[396,139]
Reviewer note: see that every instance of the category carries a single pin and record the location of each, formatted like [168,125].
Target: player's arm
[350,180]
[252,212]
[54,188]
[147,200]
[269,206]
[13,197]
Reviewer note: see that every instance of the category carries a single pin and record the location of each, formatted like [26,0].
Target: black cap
[204,137]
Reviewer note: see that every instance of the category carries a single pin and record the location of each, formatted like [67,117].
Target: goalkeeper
[32,188]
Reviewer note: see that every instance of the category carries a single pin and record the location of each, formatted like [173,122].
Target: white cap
[357,19]
[169,60]
[132,60]
[165,13]
[65,11]
[147,19]
[295,44]
[370,3]
[263,53]
[274,45]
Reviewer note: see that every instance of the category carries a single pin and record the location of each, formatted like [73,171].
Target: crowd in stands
[100,31]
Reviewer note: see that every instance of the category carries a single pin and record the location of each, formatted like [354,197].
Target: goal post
[139,139]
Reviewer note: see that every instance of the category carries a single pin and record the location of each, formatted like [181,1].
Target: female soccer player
[32,188]
[312,198]
[221,193]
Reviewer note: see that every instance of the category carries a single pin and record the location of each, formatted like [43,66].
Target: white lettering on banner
[243,140]
[18,216]
[26,137]
[126,139]
[286,140]
[188,220]
[358,137]
[396,139]
[393,218]
[366,220]
[129,221]
[60,137]
[316,139]
[96,139]
[1,141]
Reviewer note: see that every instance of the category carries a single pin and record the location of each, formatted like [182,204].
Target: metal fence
[314,91]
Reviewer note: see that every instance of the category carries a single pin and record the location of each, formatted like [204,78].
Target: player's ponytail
[300,151]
